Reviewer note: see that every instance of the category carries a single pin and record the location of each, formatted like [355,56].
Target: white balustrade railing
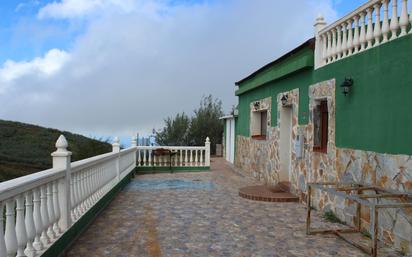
[40,207]
[375,22]
[182,156]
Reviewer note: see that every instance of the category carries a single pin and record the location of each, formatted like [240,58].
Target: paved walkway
[203,222]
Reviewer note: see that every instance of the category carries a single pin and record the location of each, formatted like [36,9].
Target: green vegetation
[183,130]
[26,148]
[331,217]
[175,131]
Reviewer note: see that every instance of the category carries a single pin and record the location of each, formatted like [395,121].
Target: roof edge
[308,43]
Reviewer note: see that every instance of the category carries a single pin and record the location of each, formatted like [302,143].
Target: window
[263,121]
[259,125]
[320,127]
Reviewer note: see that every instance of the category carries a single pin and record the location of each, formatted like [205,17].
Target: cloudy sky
[114,67]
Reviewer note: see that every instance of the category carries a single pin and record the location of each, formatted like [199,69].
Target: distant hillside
[26,148]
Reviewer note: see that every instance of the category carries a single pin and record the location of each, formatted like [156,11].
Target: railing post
[134,141]
[319,25]
[134,144]
[116,149]
[207,153]
[62,159]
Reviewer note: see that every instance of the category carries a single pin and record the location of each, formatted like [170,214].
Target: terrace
[97,207]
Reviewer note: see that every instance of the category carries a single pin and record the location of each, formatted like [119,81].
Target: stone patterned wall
[261,160]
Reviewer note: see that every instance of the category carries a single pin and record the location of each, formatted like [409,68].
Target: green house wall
[375,116]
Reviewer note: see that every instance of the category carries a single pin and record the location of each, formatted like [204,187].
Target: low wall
[64,242]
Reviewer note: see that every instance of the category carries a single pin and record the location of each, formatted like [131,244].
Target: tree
[183,130]
[175,131]
[206,123]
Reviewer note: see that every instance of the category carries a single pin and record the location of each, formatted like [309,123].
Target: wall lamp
[346,85]
[284,99]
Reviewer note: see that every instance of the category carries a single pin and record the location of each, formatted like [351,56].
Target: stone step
[266,194]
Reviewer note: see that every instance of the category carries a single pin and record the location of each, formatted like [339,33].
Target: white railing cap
[350,15]
[85,163]
[13,187]
[171,147]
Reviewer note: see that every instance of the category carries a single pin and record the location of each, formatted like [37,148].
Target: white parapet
[360,30]
[176,156]
[41,207]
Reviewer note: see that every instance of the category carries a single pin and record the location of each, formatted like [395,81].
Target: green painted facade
[375,116]
[300,67]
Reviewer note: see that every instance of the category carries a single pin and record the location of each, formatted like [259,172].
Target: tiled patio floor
[196,222]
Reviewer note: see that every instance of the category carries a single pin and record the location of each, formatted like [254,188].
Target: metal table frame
[163,152]
[355,192]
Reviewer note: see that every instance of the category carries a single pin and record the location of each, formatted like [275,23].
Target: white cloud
[129,70]
[27,4]
[80,8]
[42,67]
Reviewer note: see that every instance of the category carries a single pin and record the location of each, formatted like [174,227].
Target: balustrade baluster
[201,157]
[93,196]
[394,26]
[10,232]
[88,188]
[21,233]
[150,157]
[78,194]
[3,250]
[338,42]
[72,197]
[377,32]
[99,183]
[385,21]
[83,190]
[56,206]
[362,36]
[324,49]
[38,224]
[29,222]
[329,51]
[180,157]
[191,157]
[369,33]
[44,215]
[144,157]
[356,40]
[333,51]
[186,158]
[138,157]
[403,20]
[50,210]
[196,158]
[344,40]
[350,37]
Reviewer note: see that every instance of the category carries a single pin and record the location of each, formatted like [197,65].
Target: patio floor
[204,222]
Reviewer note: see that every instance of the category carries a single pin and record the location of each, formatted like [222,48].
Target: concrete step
[267,194]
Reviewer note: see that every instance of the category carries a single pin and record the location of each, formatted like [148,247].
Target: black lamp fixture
[256,105]
[346,85]
[284,99]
